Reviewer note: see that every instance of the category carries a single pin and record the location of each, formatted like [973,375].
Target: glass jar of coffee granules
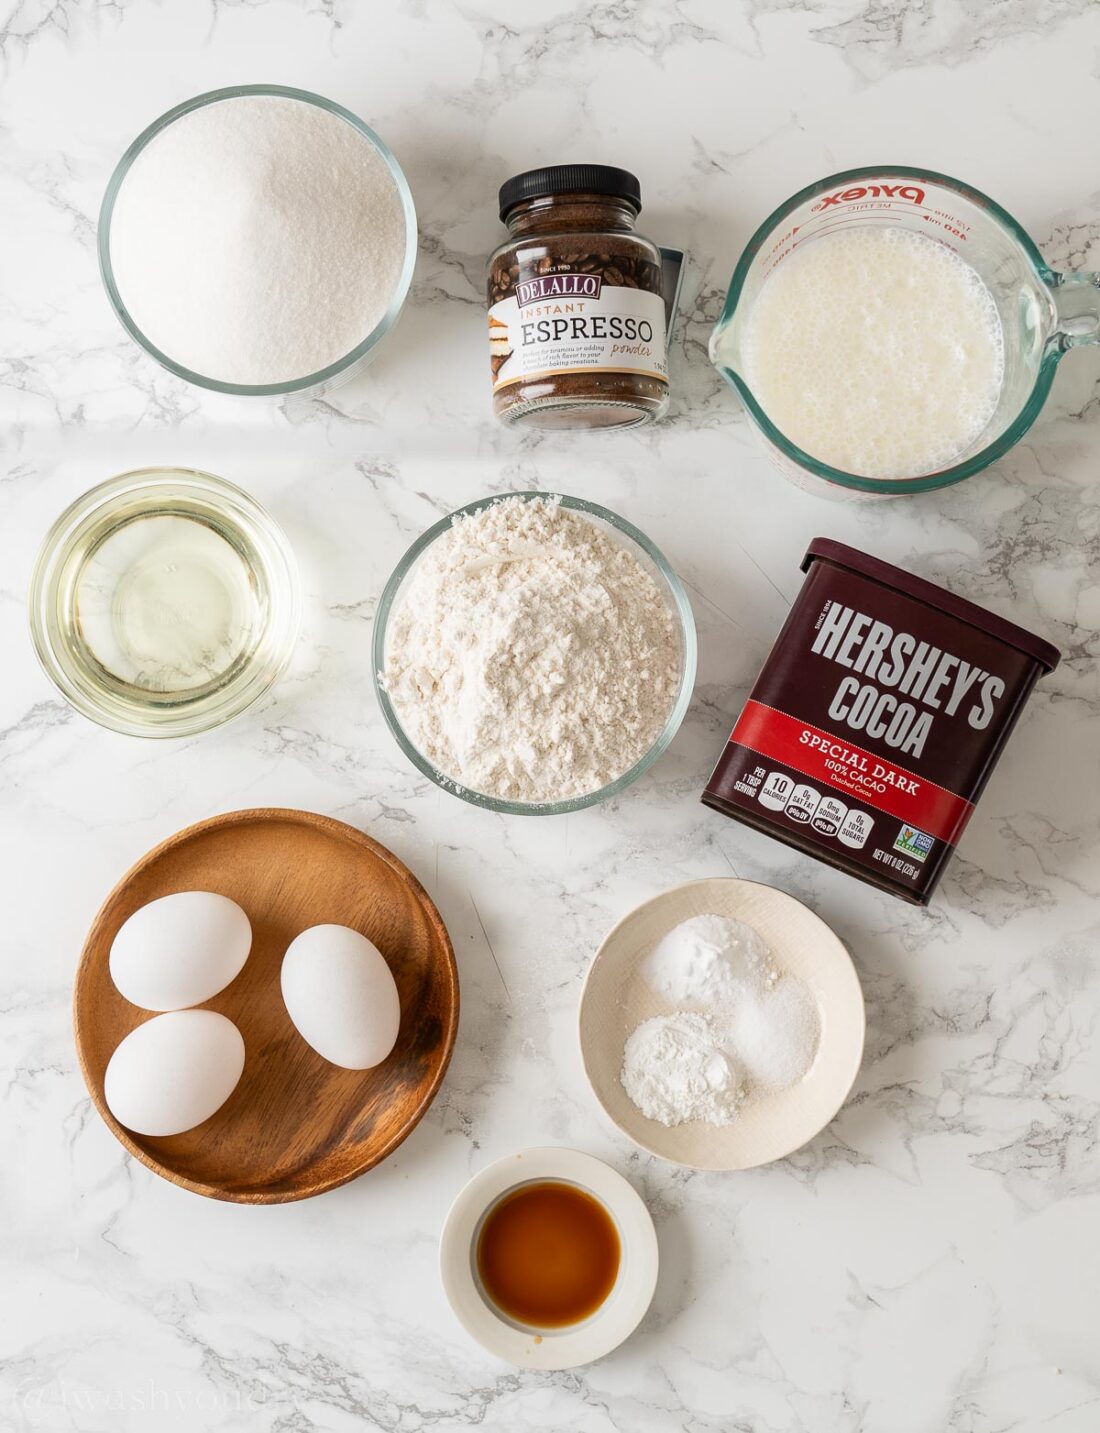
[576,312]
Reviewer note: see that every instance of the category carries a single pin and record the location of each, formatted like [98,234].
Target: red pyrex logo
[911,192]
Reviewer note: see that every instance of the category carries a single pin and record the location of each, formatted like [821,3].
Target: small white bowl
[615,1000]
[552,1348]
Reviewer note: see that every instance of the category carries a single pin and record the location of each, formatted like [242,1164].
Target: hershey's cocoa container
[878,717]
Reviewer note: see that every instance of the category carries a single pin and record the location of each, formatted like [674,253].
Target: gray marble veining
[928,1263]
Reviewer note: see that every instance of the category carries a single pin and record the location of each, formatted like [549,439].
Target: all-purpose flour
[532,657]
[258,239]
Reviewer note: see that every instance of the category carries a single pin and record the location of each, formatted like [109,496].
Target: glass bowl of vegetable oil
[164,602]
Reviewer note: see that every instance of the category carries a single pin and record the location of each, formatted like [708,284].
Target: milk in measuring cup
[876,350]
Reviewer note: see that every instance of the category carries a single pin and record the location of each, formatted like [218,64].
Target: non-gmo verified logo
[914,843]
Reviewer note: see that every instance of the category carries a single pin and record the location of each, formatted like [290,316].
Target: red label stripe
[837,764]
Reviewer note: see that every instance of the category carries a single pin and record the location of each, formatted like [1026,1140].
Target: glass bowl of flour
[258,241]
[534,653]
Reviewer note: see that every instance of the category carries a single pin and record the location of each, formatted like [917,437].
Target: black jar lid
[570,179]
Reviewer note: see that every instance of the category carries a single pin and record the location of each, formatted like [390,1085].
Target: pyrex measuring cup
[1042,313]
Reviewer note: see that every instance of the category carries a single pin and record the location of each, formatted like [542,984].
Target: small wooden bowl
[295,1125]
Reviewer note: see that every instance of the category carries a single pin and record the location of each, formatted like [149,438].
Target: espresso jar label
[575,323]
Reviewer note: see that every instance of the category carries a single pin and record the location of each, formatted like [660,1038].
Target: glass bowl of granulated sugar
[534,653]
[258,240]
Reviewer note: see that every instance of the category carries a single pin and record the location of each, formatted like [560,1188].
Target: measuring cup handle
[1077,299]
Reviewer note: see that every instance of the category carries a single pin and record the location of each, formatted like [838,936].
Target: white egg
[180,950]
[174,1071]
[341,996]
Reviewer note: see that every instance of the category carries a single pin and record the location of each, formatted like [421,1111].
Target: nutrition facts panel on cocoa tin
[802,804]
[805,805]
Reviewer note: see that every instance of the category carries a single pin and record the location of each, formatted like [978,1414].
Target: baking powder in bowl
[709,960]
[680,1067]
[532,657]
[258,239]
[744,1028]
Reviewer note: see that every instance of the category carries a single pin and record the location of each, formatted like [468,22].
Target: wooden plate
[616,1000]
[295,1125]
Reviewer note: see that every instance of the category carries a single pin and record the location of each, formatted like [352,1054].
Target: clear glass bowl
[651,559]
[326,378]
[173,627]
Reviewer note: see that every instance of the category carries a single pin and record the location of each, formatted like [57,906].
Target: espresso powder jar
[576,311]
[878,717]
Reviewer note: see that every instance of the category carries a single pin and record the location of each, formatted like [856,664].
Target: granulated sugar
[532,657]
[258,239]
[776,1034]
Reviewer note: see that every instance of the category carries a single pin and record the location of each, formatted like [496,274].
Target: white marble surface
[930,1261]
